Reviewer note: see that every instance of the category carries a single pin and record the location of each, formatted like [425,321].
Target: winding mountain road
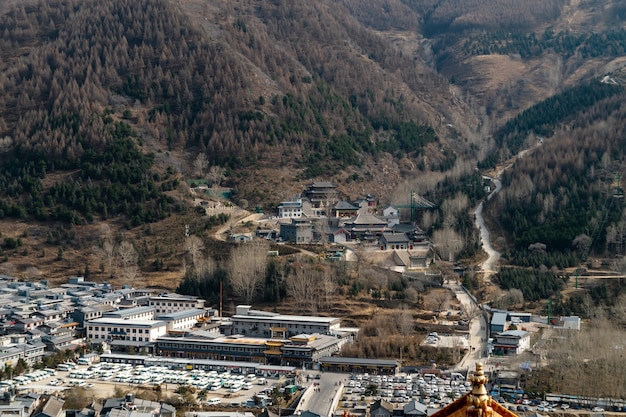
[492,255]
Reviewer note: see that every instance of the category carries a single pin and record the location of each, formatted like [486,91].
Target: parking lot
[434,392]
[222,388]
[237,390]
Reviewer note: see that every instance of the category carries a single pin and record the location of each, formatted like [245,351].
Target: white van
[213,401]
[261,381]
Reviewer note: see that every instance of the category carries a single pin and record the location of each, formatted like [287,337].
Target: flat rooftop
[113,321]
[286,318]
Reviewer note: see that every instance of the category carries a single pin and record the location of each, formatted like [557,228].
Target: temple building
[476,403]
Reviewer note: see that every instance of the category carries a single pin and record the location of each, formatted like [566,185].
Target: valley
[112,113]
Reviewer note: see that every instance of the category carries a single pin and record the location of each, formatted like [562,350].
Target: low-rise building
[498,322]
[392,215]
[395,241]
[30,352]
[293,209]
[511,342]
[267,324]
[297,231]
[52,408]
[117,329]
[129,406]
[415,409]
[135,313]
[301,350]
[381,408]
[366,226]
[570,322]
[181,320]
[171,302]
[86,313]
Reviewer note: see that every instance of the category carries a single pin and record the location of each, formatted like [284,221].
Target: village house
[511,342]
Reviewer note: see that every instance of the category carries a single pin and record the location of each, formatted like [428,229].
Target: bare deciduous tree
[441,299]
[216,175]
[411,294]
[581,243]
[404,321]
[469,310]
[327,289]
[128,261]
[510,298]
[109,250]
[200,164]
[448,243]
[247,268]
[206,268]
[300,284]
[194,246]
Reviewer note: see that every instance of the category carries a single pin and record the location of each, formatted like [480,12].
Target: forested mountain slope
[274,87]
[105,106]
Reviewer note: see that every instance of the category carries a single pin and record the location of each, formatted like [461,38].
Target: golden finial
[478,399]
[478,381]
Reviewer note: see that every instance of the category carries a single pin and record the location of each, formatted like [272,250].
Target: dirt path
[240,216]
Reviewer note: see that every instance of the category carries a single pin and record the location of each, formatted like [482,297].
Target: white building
[182,320]
[570,322]
[135,313]
[291,209]
[172,302]
[392,215]
[108,329]
[511,342]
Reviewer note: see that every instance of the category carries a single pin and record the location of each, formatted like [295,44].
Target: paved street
[477,332]
[324,401]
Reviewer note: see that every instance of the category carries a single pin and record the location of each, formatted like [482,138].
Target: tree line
[607,43]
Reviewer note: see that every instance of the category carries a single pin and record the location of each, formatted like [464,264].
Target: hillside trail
[241,216]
